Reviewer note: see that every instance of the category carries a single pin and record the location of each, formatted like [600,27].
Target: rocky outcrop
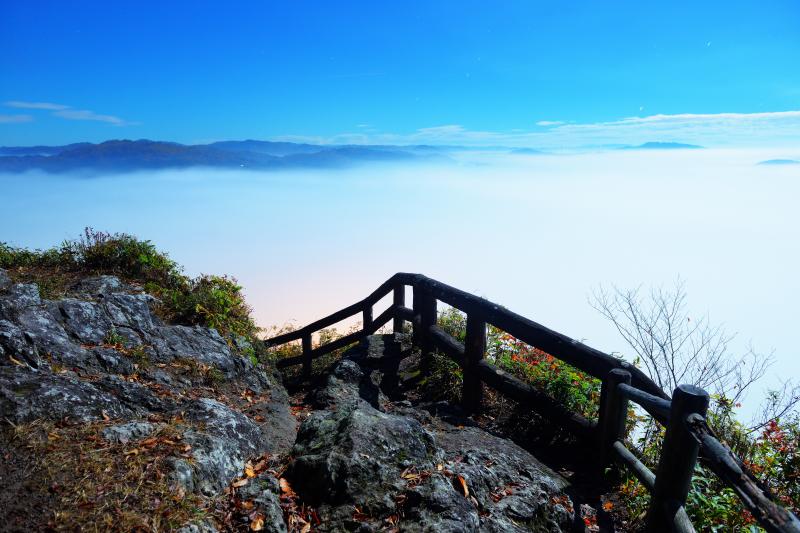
[405,466]
[364,459]
[102,354]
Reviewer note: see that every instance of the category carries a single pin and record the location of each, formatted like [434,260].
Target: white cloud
[549,123]
[710,129]
[84,114]
[66,112]
[35,105]
[15,119]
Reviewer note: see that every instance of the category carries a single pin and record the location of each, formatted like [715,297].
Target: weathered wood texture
[474,350]
[678,457]
[613,414]
[398,301]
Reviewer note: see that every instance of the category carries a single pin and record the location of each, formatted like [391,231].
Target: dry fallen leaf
[257,524]
[240,482]
[359,515]
[285,487]
[18,363]
[134,451]
[249,472]
[105,415]
[463,483]
[607,506]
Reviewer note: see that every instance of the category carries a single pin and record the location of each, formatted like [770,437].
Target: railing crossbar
[657,407]
[642,473]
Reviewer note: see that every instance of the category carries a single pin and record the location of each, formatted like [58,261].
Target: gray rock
[356,453]
[27,395]
[134,395]
[264,492]
[204,344]
[182,474]
[23,294]
[407,462]
[132,311]
[223,445]
[112,361]
[125,433]
[84,321]
[99,286]
[35,330]
[54,365]
[5,281]
[203,526]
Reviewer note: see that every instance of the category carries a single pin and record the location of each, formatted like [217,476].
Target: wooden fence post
[307,355]
[474,351]
[612,415]
[399,301]
[366,319]
[678,458]
[425,311]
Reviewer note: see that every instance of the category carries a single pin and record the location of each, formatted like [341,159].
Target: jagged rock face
[364,462]
[56,364]
[392,461]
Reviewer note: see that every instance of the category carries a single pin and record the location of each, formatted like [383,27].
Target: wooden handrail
[685,436]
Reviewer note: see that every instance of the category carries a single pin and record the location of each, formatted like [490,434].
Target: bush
[772,456]
[212,301]
[576,390]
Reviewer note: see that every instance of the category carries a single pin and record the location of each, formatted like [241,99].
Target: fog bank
[534,233]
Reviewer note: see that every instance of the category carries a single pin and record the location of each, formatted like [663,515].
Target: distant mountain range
[125,155]
[780,162]
[661,146]
[526,151]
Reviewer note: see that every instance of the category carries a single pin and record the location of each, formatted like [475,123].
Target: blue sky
[514,73]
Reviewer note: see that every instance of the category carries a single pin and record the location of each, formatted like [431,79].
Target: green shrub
[212,301]
[576,390]
[125,256]
[772,455]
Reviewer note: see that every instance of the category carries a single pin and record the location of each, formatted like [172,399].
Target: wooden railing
[687,434]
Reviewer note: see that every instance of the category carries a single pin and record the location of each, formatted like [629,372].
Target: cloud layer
[15,119]
[710,129]
[61,111]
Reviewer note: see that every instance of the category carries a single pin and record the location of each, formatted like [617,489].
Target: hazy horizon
[305,243]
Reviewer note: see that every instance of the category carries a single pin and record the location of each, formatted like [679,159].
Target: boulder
[397,463]
[27,395]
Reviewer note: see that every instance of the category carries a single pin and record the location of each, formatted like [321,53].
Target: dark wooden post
[474,351]
[613,415]
[424,318]
[678,457]
[366,319]
[399,301]
[307,355]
